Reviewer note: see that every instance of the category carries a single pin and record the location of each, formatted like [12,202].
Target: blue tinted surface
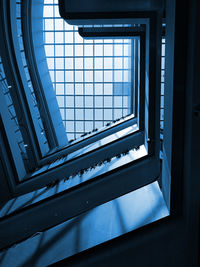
[91,78]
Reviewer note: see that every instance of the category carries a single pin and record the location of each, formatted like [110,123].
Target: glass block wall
[91,78]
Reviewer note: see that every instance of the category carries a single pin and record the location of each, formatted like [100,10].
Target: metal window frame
[182,82]
[34,49]
[18,85]
[103,188]
[126,32]
[139,93]
[130,141]
[151,141]
[12,72]
[27,34]
[103,119]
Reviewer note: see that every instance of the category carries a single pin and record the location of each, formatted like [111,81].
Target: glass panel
[92,76]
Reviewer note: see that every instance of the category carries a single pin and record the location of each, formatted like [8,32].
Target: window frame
[112,184]
[42,182]
[62,171]
[35,55]
[181,137]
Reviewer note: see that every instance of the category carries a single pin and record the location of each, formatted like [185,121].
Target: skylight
[92,78]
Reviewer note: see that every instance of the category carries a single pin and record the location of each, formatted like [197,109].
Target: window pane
[79,89]
[69,89]
[108,89]
[107,101]
[70,114]
[99,89]
[69,101]
[99,101]
[91,78]
[88,114]
[60,76]
[59,37]
[79,101]
[98,114]
[88,101]
[89,89]
[88,63]
[59,63]
[79,114]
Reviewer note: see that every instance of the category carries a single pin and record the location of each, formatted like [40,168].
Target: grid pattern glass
[91,78]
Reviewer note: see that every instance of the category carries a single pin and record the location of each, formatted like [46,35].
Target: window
[105,81]
[93,87]
[92,78]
